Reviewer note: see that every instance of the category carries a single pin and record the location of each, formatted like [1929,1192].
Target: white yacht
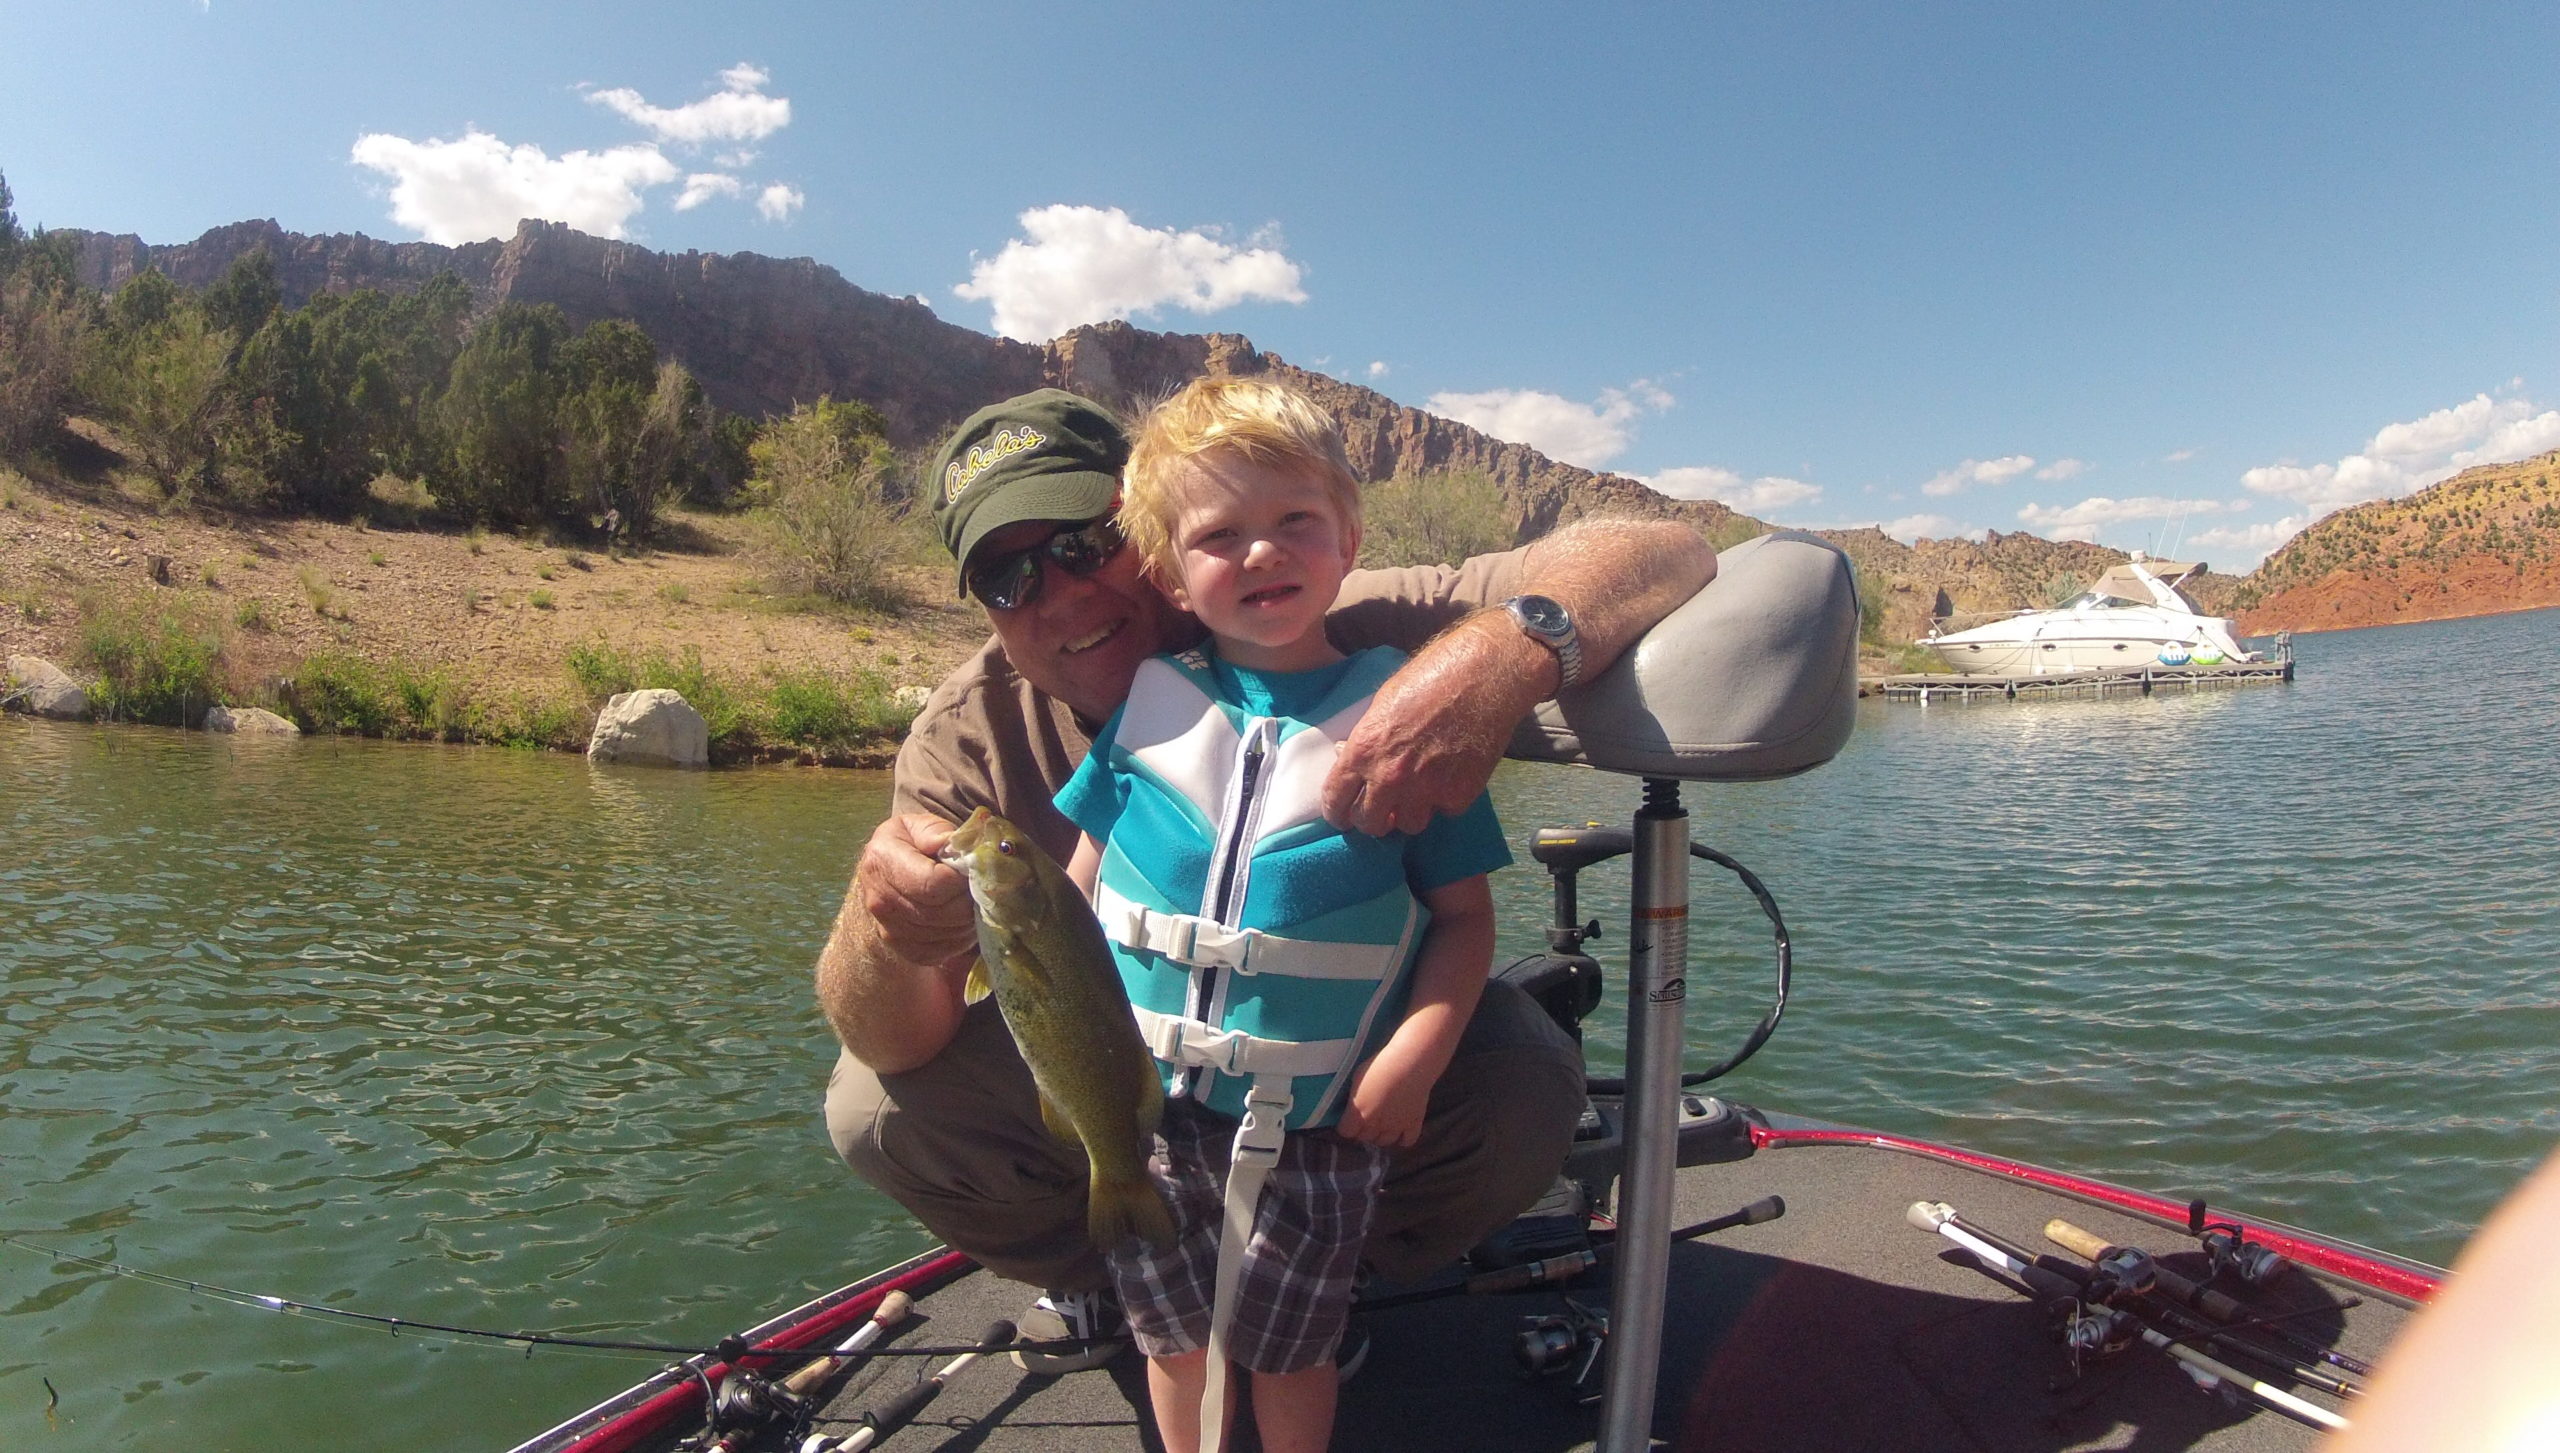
[2134,616]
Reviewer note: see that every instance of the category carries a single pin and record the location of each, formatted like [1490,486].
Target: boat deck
[1837,1327]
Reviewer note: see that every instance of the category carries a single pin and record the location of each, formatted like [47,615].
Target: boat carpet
[1838,1327]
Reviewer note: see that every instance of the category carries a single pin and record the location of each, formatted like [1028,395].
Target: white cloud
[2403,458]
[1977,471]
[738,111]
[2064,469]
[479,187]
[1751,496]
[2081,521]
[1077,265]
[701,187]
[778,202]
[1589,434]
[1378,369]
[1912,529]
[2241,547]
[2178,456]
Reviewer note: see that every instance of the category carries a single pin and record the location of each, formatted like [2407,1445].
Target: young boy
[1284,973]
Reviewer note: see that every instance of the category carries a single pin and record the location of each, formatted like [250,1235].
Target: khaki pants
[959,1143]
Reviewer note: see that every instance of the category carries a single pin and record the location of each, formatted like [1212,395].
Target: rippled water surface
[492,1038]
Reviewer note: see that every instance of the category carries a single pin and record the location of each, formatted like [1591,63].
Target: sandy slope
[427,597]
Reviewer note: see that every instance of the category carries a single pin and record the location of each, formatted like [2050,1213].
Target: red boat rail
[619,1431]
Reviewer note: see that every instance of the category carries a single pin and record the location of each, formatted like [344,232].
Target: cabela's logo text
[1004,444]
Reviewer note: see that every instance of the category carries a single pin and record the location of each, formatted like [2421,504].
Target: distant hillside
[2484,541]
[763,334]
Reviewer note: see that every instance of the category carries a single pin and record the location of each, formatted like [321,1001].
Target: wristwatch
[1550,625]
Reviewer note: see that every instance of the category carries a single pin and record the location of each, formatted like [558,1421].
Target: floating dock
[1925,687]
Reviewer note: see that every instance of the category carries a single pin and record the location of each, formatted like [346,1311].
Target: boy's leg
[1493,1140]
[959,1143]
[1293,1411]
[1175,1385]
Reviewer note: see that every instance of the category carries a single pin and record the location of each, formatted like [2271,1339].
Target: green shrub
[159,661]
[674,592]
[251,616]
[825,713]
[541,600]
[335,692]
[1435,519]
[831,529]
[315,589]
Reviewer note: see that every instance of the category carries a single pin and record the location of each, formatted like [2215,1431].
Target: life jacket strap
[1257,1150]
[1194,1045]
[1203,943]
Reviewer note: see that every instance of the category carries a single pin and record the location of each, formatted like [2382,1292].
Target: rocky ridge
[2484,541]
[766,333]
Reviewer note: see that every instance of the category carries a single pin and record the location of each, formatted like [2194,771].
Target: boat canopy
[2149,582]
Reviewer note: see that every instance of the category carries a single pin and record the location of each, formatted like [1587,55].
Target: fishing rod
[748,1402]
[902,1409]
[2106,1333]
[1569,1265]
[2122,1272]
[729,1349]
[2186,1291]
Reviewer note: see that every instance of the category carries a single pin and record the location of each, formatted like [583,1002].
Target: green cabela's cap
[1045,455]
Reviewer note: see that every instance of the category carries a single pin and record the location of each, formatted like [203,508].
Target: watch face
[1543,616]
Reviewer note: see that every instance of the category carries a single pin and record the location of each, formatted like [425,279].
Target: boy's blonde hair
[1254,419]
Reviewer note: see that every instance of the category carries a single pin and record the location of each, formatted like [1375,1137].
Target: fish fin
[979,985]
[1057,1121]
[1150,1097]
[1117,1210]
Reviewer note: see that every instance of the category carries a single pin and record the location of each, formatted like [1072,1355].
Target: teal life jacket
[1261,946]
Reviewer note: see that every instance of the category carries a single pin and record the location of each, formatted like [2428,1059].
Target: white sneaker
[1066,1332]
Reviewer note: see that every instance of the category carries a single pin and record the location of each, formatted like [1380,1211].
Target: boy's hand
[1389,1096]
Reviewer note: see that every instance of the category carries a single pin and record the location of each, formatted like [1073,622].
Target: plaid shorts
[1295,1293]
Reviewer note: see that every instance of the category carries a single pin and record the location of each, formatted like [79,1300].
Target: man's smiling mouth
[1083,644]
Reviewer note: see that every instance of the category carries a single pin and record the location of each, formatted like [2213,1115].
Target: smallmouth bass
[1042,954]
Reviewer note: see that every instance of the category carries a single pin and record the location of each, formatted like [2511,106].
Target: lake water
[491,1038]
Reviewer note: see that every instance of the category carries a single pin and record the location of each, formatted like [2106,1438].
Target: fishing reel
[747,1402]
[1569,1347]
[2228,1247]
[2125,1271]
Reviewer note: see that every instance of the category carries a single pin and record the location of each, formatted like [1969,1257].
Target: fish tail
[1118,1209]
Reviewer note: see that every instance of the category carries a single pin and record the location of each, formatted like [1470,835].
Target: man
[929,1101]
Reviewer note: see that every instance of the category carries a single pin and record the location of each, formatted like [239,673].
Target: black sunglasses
[1011,580]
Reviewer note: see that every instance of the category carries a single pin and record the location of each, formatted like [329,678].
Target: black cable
[1768,1022]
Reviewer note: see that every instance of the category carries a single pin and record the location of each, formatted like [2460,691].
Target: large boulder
[37,685]
[654,728]
[249,721]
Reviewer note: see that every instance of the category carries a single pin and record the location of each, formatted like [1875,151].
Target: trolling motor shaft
[1657,985]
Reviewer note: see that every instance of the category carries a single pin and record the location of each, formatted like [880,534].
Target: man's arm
[889,979]
[1434,732]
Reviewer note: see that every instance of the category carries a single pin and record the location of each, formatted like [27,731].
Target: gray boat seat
[1756,676]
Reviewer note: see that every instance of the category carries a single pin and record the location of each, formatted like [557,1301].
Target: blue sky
[2138,273]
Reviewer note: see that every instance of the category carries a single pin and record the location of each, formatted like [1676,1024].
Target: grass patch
[30,604]
[335,691]
[577,560]
[544,571]
[475,540]
[315,589]
[252,615]
[211,575]
[674,592]
[541,600]
[376,559]
[160,661]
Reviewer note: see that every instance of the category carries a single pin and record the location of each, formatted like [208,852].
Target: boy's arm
[1390,1093]
[1086,865]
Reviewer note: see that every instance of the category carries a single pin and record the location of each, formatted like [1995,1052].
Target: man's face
[1082,637]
